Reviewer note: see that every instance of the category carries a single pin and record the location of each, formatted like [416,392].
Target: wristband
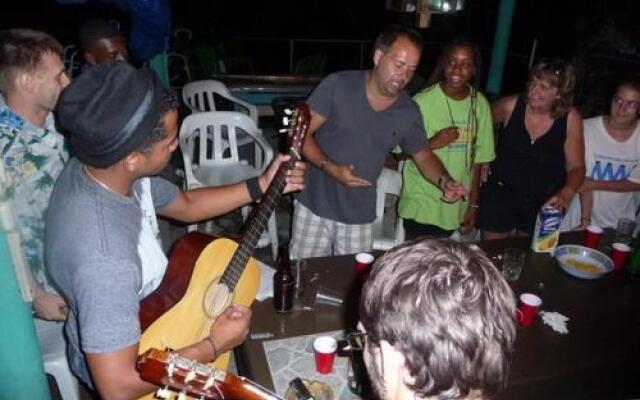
[213,346]
[253,186]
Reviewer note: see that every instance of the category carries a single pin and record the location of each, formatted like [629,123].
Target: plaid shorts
[314,236]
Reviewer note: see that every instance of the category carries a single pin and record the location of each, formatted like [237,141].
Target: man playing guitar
[102,247]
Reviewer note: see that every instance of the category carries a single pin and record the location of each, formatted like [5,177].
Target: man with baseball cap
[101,242]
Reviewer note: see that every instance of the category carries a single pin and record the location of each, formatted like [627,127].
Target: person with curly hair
[438,321]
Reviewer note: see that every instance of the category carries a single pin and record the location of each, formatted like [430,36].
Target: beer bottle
[283,282]
[633,267]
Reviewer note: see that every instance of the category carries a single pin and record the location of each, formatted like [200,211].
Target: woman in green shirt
[457,118]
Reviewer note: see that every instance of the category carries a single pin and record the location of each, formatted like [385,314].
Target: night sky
[605,33]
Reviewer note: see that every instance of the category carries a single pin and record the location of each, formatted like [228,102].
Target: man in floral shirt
[32,76]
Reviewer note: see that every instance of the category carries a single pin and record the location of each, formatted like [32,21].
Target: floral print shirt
[33,158]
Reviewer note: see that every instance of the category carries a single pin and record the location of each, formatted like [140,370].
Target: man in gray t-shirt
[102,248]
[357,118]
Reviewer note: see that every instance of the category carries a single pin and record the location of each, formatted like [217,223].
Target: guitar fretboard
[253,230]
[261,213]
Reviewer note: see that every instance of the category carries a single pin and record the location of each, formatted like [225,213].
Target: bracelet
[213,346]
[474,206]
[585,219]
[322,164]
[253,186]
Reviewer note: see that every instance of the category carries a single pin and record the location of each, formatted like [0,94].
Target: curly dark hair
[448,310]
[438,72]
[159,132]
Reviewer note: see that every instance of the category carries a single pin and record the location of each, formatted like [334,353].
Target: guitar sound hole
[216,299]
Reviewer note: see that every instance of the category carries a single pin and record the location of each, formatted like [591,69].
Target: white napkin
[556,321]
[266,281]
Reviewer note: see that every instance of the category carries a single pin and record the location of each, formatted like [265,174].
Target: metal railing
[296,42]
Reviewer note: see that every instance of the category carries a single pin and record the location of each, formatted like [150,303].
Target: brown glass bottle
[283,282]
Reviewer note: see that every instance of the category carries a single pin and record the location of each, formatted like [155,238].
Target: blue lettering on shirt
[607,173]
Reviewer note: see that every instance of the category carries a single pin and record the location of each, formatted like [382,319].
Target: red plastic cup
[592,236]
[528,309]
[619,255]
[324,348]
[363,262]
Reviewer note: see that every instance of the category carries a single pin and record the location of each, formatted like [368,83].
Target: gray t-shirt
[91,254]
[356,134]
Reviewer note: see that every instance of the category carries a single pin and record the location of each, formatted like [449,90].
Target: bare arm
[501,110]
[443,137]
[432,169]
[470,216]
[344,174]
[115,373]
[574,155]
[204,203]
[586,205]
[610,186]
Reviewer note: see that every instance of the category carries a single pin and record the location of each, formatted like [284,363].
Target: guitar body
[180,312]
[175,314]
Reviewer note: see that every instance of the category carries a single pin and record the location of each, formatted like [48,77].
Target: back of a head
[449,311]
[21,50]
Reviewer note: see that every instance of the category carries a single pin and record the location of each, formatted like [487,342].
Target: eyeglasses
[622,103]
[356,340]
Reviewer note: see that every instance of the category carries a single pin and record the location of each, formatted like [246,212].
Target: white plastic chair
[213,156]
[200,96]
[386,236]
[54,356]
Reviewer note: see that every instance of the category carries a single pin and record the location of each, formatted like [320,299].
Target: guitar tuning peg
[191,375]
[288,111]
[170,368]
[210,381]
[285,120]
[163,393]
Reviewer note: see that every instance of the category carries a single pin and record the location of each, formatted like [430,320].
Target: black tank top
[533,170]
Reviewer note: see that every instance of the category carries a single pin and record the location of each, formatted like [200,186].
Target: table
[598,359]
[262,90]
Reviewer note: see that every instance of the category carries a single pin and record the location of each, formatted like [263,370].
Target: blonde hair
[560,75]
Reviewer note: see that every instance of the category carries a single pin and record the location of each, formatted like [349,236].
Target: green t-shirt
[421,200]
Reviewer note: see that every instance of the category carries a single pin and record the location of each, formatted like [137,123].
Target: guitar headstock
[178,374]
[186,377]
[299,121]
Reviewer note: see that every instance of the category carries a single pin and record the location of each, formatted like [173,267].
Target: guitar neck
[256,225]
[260,215]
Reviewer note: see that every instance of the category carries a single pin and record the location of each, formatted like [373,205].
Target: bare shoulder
[501,110]
[574,115]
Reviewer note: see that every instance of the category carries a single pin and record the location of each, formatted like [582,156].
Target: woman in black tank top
[540,153]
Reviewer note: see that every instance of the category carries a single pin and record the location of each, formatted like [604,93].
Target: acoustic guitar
[175,374]
[204,276]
